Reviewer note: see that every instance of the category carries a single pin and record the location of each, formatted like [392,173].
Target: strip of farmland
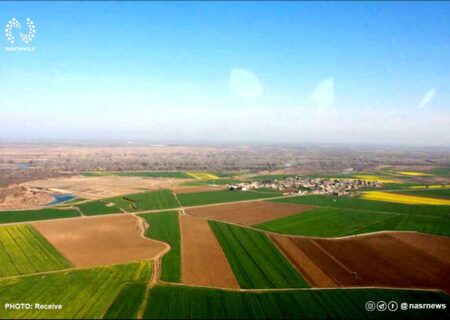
[164,226]
[128,302]
[369,205]
[181,302]
[201,198]
[435,193]
[98,207]
[33,215]
[255,260]
[23,250]
[331,222]
[151,200]
[145,174]
[248,213]
[204,263]
[83,294]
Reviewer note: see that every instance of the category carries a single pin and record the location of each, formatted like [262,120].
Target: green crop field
[128,302]
[23,250]
[97,207]
[443,172]
[33,215]
[210,182]
[200,198]
[85,293]
[165,227]
[182,302]
[369,205]
[153,200]
[147,174]
[432,193]
[254,259]
[336,222]
[150,200]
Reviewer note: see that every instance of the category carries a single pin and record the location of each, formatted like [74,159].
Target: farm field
[214,182]
[202,175]
[118,238]
[433,193]
[414,173]
[195,199]
[147,174]
[404,198]
[333,222]
[443,172]
[254,259]
[369,205]
[409,266]
[165,227]
[204,262]
[151,200]
[83,294]
[33,215]
[23,250]
[128,302]
[181,302]
[248,213]
[97,207]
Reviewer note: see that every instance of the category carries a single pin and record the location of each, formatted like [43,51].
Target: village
[303,185]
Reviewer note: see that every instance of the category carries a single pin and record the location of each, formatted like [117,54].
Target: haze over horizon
[364,73]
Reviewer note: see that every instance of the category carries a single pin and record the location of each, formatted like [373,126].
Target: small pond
[59,198]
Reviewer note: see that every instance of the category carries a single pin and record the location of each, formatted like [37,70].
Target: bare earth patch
[388,259]
[16,197]
[249,213]
[105,186]
[96,241]
[203,261]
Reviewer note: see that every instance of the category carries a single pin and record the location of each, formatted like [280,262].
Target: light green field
[333,222]
[254,259]
[165,227]
[97,207]
[23,250]
[83,294]
[150,200]
[200,198]
[182,302]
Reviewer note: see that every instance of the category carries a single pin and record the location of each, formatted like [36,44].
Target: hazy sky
[284,72]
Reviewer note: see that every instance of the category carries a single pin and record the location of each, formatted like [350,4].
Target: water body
[22,166]
[59,198]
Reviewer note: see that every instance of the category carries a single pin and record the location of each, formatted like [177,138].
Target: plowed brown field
[404,260]
[98,241]
[203,261]
[248,213]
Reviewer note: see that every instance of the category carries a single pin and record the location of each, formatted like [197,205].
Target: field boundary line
[300,289]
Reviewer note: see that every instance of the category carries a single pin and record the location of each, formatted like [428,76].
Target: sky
[238,72]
